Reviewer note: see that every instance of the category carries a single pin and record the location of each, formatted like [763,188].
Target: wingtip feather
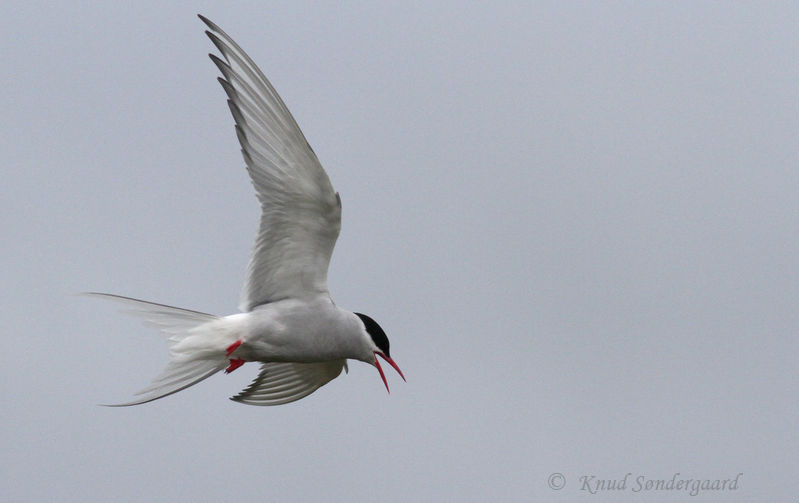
[208,22]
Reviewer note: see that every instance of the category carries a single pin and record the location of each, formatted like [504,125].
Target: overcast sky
[577,223]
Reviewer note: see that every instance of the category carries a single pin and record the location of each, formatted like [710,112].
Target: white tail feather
[176,324]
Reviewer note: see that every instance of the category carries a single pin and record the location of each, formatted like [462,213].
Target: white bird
[288,321]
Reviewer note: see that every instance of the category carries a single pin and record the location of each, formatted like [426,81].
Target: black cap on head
[376,333]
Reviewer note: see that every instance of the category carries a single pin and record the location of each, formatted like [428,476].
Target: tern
[289,323]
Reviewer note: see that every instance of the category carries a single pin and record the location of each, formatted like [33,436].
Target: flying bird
[289,323]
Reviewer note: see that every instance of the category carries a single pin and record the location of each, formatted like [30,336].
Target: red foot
[233,347]
[234,364]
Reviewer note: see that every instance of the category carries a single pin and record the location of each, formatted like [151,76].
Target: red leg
[233,347]
[234,364]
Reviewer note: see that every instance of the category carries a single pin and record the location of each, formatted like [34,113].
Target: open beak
[390,362]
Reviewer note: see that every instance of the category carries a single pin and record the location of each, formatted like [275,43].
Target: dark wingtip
[223,67]
[210,23]
[206,21]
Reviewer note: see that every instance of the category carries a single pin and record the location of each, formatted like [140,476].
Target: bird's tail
[177,325]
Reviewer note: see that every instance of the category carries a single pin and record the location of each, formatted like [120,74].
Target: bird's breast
[299,332]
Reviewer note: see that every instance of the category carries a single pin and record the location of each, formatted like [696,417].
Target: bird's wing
[280,383]
[301,213]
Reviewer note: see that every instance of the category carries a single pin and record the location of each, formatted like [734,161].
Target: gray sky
[577,223]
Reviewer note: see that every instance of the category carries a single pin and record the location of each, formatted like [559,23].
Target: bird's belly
[296,338]
[265,348]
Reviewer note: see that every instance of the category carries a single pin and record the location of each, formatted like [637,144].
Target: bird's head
[380,346]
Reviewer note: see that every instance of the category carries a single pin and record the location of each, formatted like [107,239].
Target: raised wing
[280,383]
[301,213]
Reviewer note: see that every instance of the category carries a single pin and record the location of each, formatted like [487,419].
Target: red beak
[390,362]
